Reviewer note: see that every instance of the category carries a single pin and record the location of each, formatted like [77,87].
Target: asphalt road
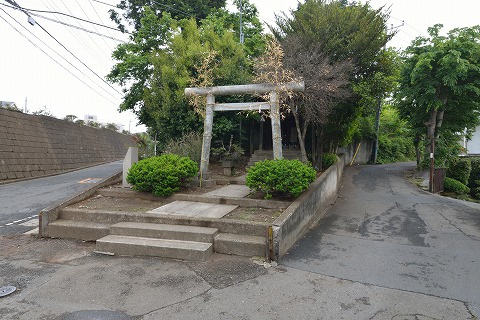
[383,231]
[20,202]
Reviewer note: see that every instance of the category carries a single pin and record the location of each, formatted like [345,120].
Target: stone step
[164,231]
[139,246]
[240,245]
[80,230]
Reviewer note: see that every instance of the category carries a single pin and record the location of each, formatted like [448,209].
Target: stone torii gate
[272,105]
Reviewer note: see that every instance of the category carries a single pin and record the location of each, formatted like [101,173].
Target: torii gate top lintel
[261,88]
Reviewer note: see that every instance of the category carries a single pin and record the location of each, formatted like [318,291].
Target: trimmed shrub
[280,178]
[161,175]
[328,159]
[459,169]
[452,185]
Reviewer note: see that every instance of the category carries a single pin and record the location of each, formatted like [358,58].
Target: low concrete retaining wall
[364,154]
[307,209]
[32,146]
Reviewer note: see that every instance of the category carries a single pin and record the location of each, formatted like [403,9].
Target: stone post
[130,158]
[207,136]
[276,130]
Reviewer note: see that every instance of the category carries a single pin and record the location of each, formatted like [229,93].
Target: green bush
[280,178]
[452,185]
[474,179]
[161,175]
[459,169]
[475,192]
[189,145]
[328,159]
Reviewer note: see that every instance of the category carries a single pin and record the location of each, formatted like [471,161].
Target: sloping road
[20,202]
[383,231]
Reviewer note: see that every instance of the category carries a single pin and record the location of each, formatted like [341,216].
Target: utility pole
[25,109]
[241,24]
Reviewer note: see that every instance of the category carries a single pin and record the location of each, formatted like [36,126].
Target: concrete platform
[138,246]
[195,209]
[231,191]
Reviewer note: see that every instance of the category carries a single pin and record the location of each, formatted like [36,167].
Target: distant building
[473,145]
[90,117]
[6,104]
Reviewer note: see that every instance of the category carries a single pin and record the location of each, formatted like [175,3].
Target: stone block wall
[32,146]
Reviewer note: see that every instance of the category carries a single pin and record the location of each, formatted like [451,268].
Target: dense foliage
[189,145]
[161,175]
[168,52]
[328,160]
[395,142]
[440,88]
[452,185]
[280,178]
[459,169]
[341,32]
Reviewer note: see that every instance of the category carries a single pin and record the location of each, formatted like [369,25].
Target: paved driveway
[383,231]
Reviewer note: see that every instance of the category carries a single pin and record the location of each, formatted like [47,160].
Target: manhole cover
[5,291]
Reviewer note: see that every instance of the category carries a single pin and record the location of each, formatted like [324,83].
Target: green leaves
[161,175]
[442,73]
[280,178]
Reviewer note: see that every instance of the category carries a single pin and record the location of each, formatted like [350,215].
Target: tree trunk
[301,140]
[439,122]
[418,154]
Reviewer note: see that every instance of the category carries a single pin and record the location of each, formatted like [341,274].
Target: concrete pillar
[276,130]
[207,136]
[130,158]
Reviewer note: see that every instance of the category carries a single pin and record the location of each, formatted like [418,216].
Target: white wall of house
[473,146]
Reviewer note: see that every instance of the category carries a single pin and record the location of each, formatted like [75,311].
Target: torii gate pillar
[207,136]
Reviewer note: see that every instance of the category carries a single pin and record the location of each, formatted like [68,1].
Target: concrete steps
[164,231]
[80,230]
[167,248]
[240,245]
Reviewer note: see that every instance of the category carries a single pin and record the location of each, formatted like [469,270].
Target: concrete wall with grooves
[32,146]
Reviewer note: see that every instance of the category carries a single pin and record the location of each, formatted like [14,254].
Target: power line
[107,4]
[86,44]
[18,7]
[86,15]
[78,28]
[104,57]
[44,52]
[71,53]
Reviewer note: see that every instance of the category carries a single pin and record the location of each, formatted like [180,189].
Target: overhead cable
[61,13]
[48,55]
[78,28]
[66,49]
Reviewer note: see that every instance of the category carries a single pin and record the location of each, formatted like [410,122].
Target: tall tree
[440,84]
[133,10]
[145,65]
[342,32]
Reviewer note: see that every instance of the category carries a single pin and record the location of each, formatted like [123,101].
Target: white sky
[26,72]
